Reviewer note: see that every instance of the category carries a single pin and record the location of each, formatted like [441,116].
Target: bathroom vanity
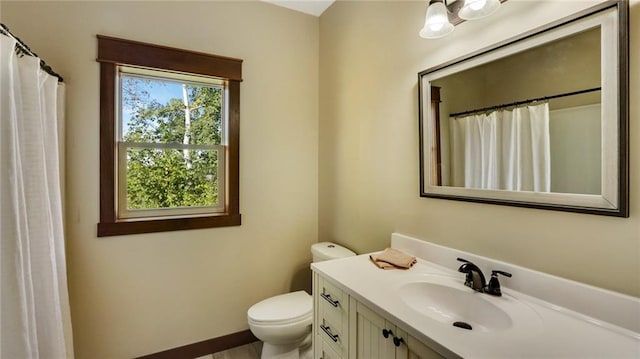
[346,328]
[361,311]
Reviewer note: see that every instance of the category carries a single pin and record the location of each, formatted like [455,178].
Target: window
[169,136]
[170,143]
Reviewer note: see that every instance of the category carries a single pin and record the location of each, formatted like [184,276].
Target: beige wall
[370,54]
[565,65]
[135,295]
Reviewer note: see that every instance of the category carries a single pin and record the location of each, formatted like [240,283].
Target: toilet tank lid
[328,250]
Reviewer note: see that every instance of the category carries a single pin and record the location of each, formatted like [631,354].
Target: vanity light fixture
[436,21]
[442,15]
[477,9]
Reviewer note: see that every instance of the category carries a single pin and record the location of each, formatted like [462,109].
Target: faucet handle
[495,272]
[493,287]
[463,260]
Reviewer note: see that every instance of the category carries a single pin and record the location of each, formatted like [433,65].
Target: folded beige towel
[392,258]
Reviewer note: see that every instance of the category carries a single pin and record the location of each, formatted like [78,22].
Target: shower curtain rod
[23,49]
[518,103]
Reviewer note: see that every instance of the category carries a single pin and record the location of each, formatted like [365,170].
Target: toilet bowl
[284,322]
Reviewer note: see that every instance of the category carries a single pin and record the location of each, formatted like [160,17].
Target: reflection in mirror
[484,131]
[539,121]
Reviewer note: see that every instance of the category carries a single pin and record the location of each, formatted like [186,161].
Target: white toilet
[283,322]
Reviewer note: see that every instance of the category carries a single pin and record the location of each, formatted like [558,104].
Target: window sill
[106,229]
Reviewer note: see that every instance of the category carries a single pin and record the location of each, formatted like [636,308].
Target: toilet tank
[326,250]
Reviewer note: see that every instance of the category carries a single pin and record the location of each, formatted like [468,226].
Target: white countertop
[544,331]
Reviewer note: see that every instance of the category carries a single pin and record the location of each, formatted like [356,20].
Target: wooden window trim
[128,52]
[113,52]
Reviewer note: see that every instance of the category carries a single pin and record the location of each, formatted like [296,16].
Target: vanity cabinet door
[412,348]
[370,329]
[377,337]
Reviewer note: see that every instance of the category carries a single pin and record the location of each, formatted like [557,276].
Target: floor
[247,351]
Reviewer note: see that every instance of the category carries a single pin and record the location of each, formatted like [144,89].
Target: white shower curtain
[506,150]
[34,305]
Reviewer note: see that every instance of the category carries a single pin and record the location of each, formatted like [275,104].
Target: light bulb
[477,9]
[436,27]
[477,5]
[436,22]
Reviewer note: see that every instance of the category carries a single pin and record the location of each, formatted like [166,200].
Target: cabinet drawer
[332,323]
[325,351]
[333,306]
[330,292]
[332,300]
[332,335]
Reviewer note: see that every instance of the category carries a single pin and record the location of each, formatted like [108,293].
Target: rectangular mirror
[537,121]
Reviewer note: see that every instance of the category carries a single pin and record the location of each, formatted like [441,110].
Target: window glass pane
[155,110]
[170,178]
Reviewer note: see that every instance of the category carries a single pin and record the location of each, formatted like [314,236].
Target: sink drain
[463,325]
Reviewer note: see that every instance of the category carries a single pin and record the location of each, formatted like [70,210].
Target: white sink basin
[447,300]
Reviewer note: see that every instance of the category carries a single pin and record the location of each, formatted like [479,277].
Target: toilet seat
[282,309]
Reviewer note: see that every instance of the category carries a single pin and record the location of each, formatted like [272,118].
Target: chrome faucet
[475,279]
